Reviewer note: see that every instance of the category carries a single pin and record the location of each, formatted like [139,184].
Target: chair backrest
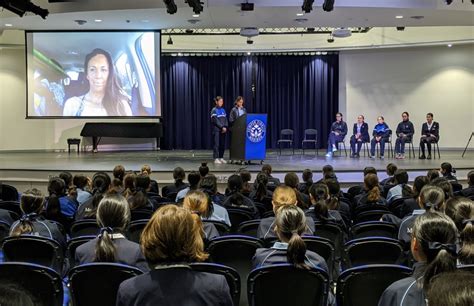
[13,206]
[310,134]
[4,230]
[135,230]
[249,228]
[140,214]
[171,196]
[269,213]
[322,246]
[238,216]
[231,275]
[374,229]
[221,227]
[456,186]
[283,284]
[467,268]
[332,232]
[86,227]
[286,134]
[372,250]
[42,284]
[72,246]
[261,208]
[364,285]
[8,193]
[98,283]
[397,206]
[370,215]
[34,249]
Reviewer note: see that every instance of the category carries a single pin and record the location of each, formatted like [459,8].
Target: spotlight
[170,41]
[249,41]
[328,5]
[20,7]
[196,5]
[307,6]
[400,28]
[171,7]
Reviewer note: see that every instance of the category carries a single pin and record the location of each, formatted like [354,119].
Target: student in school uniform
[197,202]
[429,135]
[220,124]
[461,211]
[238,110]
[469,191]
[451,288]
[170,241]
[236,199]
[113,216]
[405,131]
[381,134]
[320,209]
[433,247]
[337,134]
[360,134]
[217,212]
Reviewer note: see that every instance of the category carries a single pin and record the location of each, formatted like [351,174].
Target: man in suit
[360,134]
[429,135]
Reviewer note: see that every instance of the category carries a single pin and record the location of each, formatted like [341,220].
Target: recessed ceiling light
[318,53]
[324,53]
[98,20]
[196,15]
[8,25]
[399,17]
[299,14]
[248,53]
[180,54]
[450,45]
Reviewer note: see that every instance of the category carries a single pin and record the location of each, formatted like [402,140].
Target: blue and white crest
[256,130]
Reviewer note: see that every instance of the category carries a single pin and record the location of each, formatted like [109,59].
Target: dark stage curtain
[296,92]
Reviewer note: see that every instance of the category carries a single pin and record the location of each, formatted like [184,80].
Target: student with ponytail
[59,207]
[235,197]
[32,222]
[307,177]
[217,212]
[292,180]
[139,199]
[82,185]
[101,184]
[433,247]
[373,194]
[401,189]
[319,210]
[461,211]
[113,217]
[260,191]
[197,202]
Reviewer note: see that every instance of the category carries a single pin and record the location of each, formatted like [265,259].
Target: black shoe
[429,156]
[422,157]
[353,155]
[357,155]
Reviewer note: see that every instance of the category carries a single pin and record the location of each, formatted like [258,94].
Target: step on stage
[28,169]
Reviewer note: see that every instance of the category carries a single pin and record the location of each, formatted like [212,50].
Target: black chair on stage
[308,287]
[34,249]
[238,216]
[372,250]
[8,193]
[135,229]
[249,228]
[343,142]
[13,206]
[435,149]
[311,137]
[85,227]
[221,227]
[286,136]
[231,275]
[98,283]
[374,229]
[73,142]
[411,148]
[72,246]
[388,142]
[42,284]
[363,286]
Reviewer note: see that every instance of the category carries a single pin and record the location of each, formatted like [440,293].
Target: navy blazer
[427,131]
[175,286]
[266,228]
[128,253]
[364,131]
[405,292]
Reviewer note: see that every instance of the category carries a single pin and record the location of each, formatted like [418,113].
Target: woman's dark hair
[340,114]
[80,181]
[56,190]
[328,168]
[208,184]
[31,204]
[113,215]
[418,184]
[12,294]
[307,177]
[203,169]
[246,177]
[320,194]
[436,234]
[444,184]
[406,113]
[119,174]
[66,177]
[452,288]
[447,168]
[432,174]
[100,186]
[193,178]
[401,178]
[178,175]
[267,168]
[140,198]
[391,168]
[234,184]
[371,182]
[432,198]
[370,170]
[216,99]
[290,223]
[260,185]
[292,180]
[238,99]
[334,193]
[461,211]
[129,184]
[470,178]
[114,96]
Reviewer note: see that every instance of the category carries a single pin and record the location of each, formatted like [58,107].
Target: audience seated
[193,180]
[203,170]
[139,199]
[101,184]
[410,204]
[168,251]
[129,181]
[83,185]
[14,295]
[371,195]
[401,189]
[448,172]
[390,170]
[433,247]
[246,178]
[178,176]
[32,222]
[197,202]
[307,181]
[338,202]
[432,174]
[322,208]
[113,217]
[236,199]
[208,185]
[292,180]
[461,211]
[282,196]
[444,184]
[59,206]
[469,191]
[153,184]
[260,191]
[452,288]
[118,174]
[273,182]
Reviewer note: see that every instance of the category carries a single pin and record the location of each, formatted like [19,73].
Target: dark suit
[174,286]
[128,253]
[364,137]
[426,137]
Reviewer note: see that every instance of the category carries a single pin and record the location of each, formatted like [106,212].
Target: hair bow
[28,217]
[467,221]
[437,246]
[429,205]
[107,230]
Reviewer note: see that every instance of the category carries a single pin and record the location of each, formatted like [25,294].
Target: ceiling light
[299,14]
[450,45]
[399,17]
[248,53]
[318,53]
[8,25]
[98,20]
[180,54]
[324,53]
[195,15]
[307,6]
[328,5]
[170,41]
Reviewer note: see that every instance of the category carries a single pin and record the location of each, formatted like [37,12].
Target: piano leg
[94,144]
[158,143]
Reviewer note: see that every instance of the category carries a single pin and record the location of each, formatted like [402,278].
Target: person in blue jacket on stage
[337,134]
[405,131]
[238,110]
[360,134]
[381,133]
[219,129]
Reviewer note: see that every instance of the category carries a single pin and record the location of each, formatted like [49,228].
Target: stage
[33,169]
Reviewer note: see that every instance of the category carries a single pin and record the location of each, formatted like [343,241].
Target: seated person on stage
[208,185]
[260,192]
[469,191]
[113,216]
[197,202]
[381,134]
[193,178]
[273,182]
[236,199]
[320,210]
[292,180]
[170,241]
[405,131]
[154,188]
[282,196]
[401,189]
[429,135]
[337,134]
[433,246]
[178,176]
[360,134]
[32,222]
[101,185]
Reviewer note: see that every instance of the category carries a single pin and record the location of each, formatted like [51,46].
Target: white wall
[418,80]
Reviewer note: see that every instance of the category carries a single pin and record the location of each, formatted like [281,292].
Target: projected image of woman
[105,96]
